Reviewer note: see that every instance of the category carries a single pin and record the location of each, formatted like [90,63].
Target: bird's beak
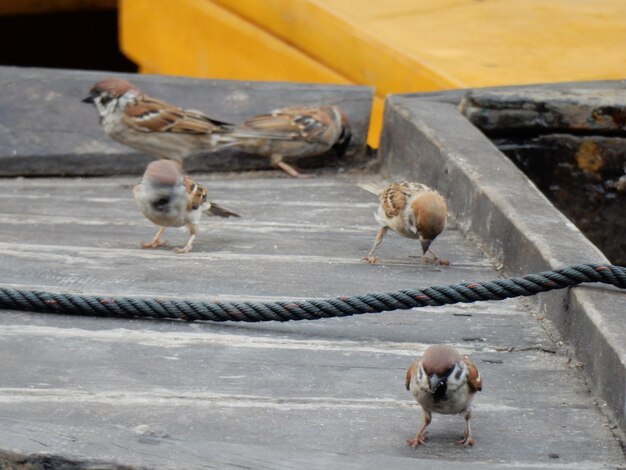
[434,380]
[425,245]
[89,99]
[343,142]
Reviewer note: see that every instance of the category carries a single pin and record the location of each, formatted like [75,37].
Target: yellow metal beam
[201,39]
[420,45]
[398,46]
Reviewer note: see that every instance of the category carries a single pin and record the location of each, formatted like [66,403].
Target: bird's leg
[156,241]
[371,257]
[420,437]
[193,231]
[467,440]
[277,161]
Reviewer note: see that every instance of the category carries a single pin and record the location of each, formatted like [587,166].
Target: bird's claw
[419,440]
[436,261]
[467,441]
[153,244]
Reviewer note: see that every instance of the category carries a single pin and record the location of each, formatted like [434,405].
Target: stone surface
[46,130]
[570,140]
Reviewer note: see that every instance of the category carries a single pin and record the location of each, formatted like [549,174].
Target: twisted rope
[185,310]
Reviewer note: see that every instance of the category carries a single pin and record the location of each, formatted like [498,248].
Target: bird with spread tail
[157,128]
[412,210]
[170,199]
[444,382]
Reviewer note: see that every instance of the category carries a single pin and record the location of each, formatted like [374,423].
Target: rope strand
[314,309]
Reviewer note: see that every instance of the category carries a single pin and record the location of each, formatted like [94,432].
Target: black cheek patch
[440,390]
[161,204]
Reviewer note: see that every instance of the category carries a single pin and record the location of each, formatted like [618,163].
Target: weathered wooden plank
[314,399]
[323,394]
[165,273]
[313,233]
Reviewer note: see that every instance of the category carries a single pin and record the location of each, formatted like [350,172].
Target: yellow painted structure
[397,46]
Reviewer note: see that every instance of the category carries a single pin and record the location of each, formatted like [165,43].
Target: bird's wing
[394,199]
[151,115]
[295,123]
[409,373]
[196,193]
[372,187]
[474,380]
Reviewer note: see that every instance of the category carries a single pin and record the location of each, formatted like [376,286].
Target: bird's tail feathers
[221,211]
[239,137]
[263,134]
[372,187]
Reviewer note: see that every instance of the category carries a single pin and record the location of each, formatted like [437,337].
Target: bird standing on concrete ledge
[411,209]
[169,199]
[153,126]
[306,131]
[443,382]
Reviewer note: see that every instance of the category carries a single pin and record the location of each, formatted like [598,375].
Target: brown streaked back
[393,199]
[152,115]
[197,194]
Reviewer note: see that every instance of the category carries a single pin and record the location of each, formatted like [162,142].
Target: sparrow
[445,382]
[411,209]
[296,132]
[170,199]
[158,128]
[153,126]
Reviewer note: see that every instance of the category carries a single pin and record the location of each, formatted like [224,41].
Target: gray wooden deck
[323,394]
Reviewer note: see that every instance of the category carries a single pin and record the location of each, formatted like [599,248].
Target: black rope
[185,310]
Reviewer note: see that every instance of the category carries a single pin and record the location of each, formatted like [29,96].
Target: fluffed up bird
[296,132]
[153,126]
[170,199]
[444,382]
[411,209]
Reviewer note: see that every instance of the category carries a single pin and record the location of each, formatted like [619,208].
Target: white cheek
[101,109]
[110,107]
[458,377]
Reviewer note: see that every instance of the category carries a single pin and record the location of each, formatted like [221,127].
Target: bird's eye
[105,99]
